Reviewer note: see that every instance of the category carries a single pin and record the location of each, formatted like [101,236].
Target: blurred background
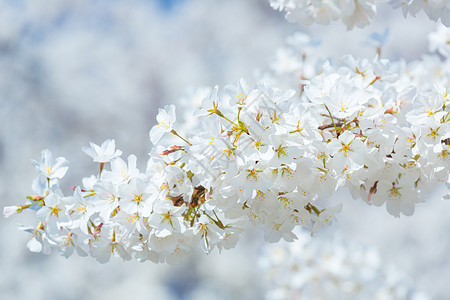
[77,71]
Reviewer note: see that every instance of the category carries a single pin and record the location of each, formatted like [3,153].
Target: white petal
[34,245]
[156,133]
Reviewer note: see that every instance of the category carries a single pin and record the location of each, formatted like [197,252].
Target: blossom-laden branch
[261,155]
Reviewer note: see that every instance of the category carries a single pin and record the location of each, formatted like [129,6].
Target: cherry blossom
[166,118]
[51,168]
[104,153]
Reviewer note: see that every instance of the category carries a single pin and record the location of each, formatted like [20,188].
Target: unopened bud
[9,211]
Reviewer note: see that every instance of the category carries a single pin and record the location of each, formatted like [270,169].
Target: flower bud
[9,211]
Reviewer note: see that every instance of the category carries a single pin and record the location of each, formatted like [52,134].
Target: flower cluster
[335,268]
[268,155]
[355,12]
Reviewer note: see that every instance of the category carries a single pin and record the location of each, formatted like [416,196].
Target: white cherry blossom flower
[163,244]
[120,171]
[166,218]
[326,217]
[348,151]
[52,213]
[104,153]
[49,167]
[166,118]
[137,197]
[38,242]
[398,196]
[278,228]
[208,232]
[105,201]
[67,242]
[79,210]
[108,244]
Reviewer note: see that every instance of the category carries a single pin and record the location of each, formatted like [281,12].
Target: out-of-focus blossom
[439,40]
[355,13]
[320,268]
